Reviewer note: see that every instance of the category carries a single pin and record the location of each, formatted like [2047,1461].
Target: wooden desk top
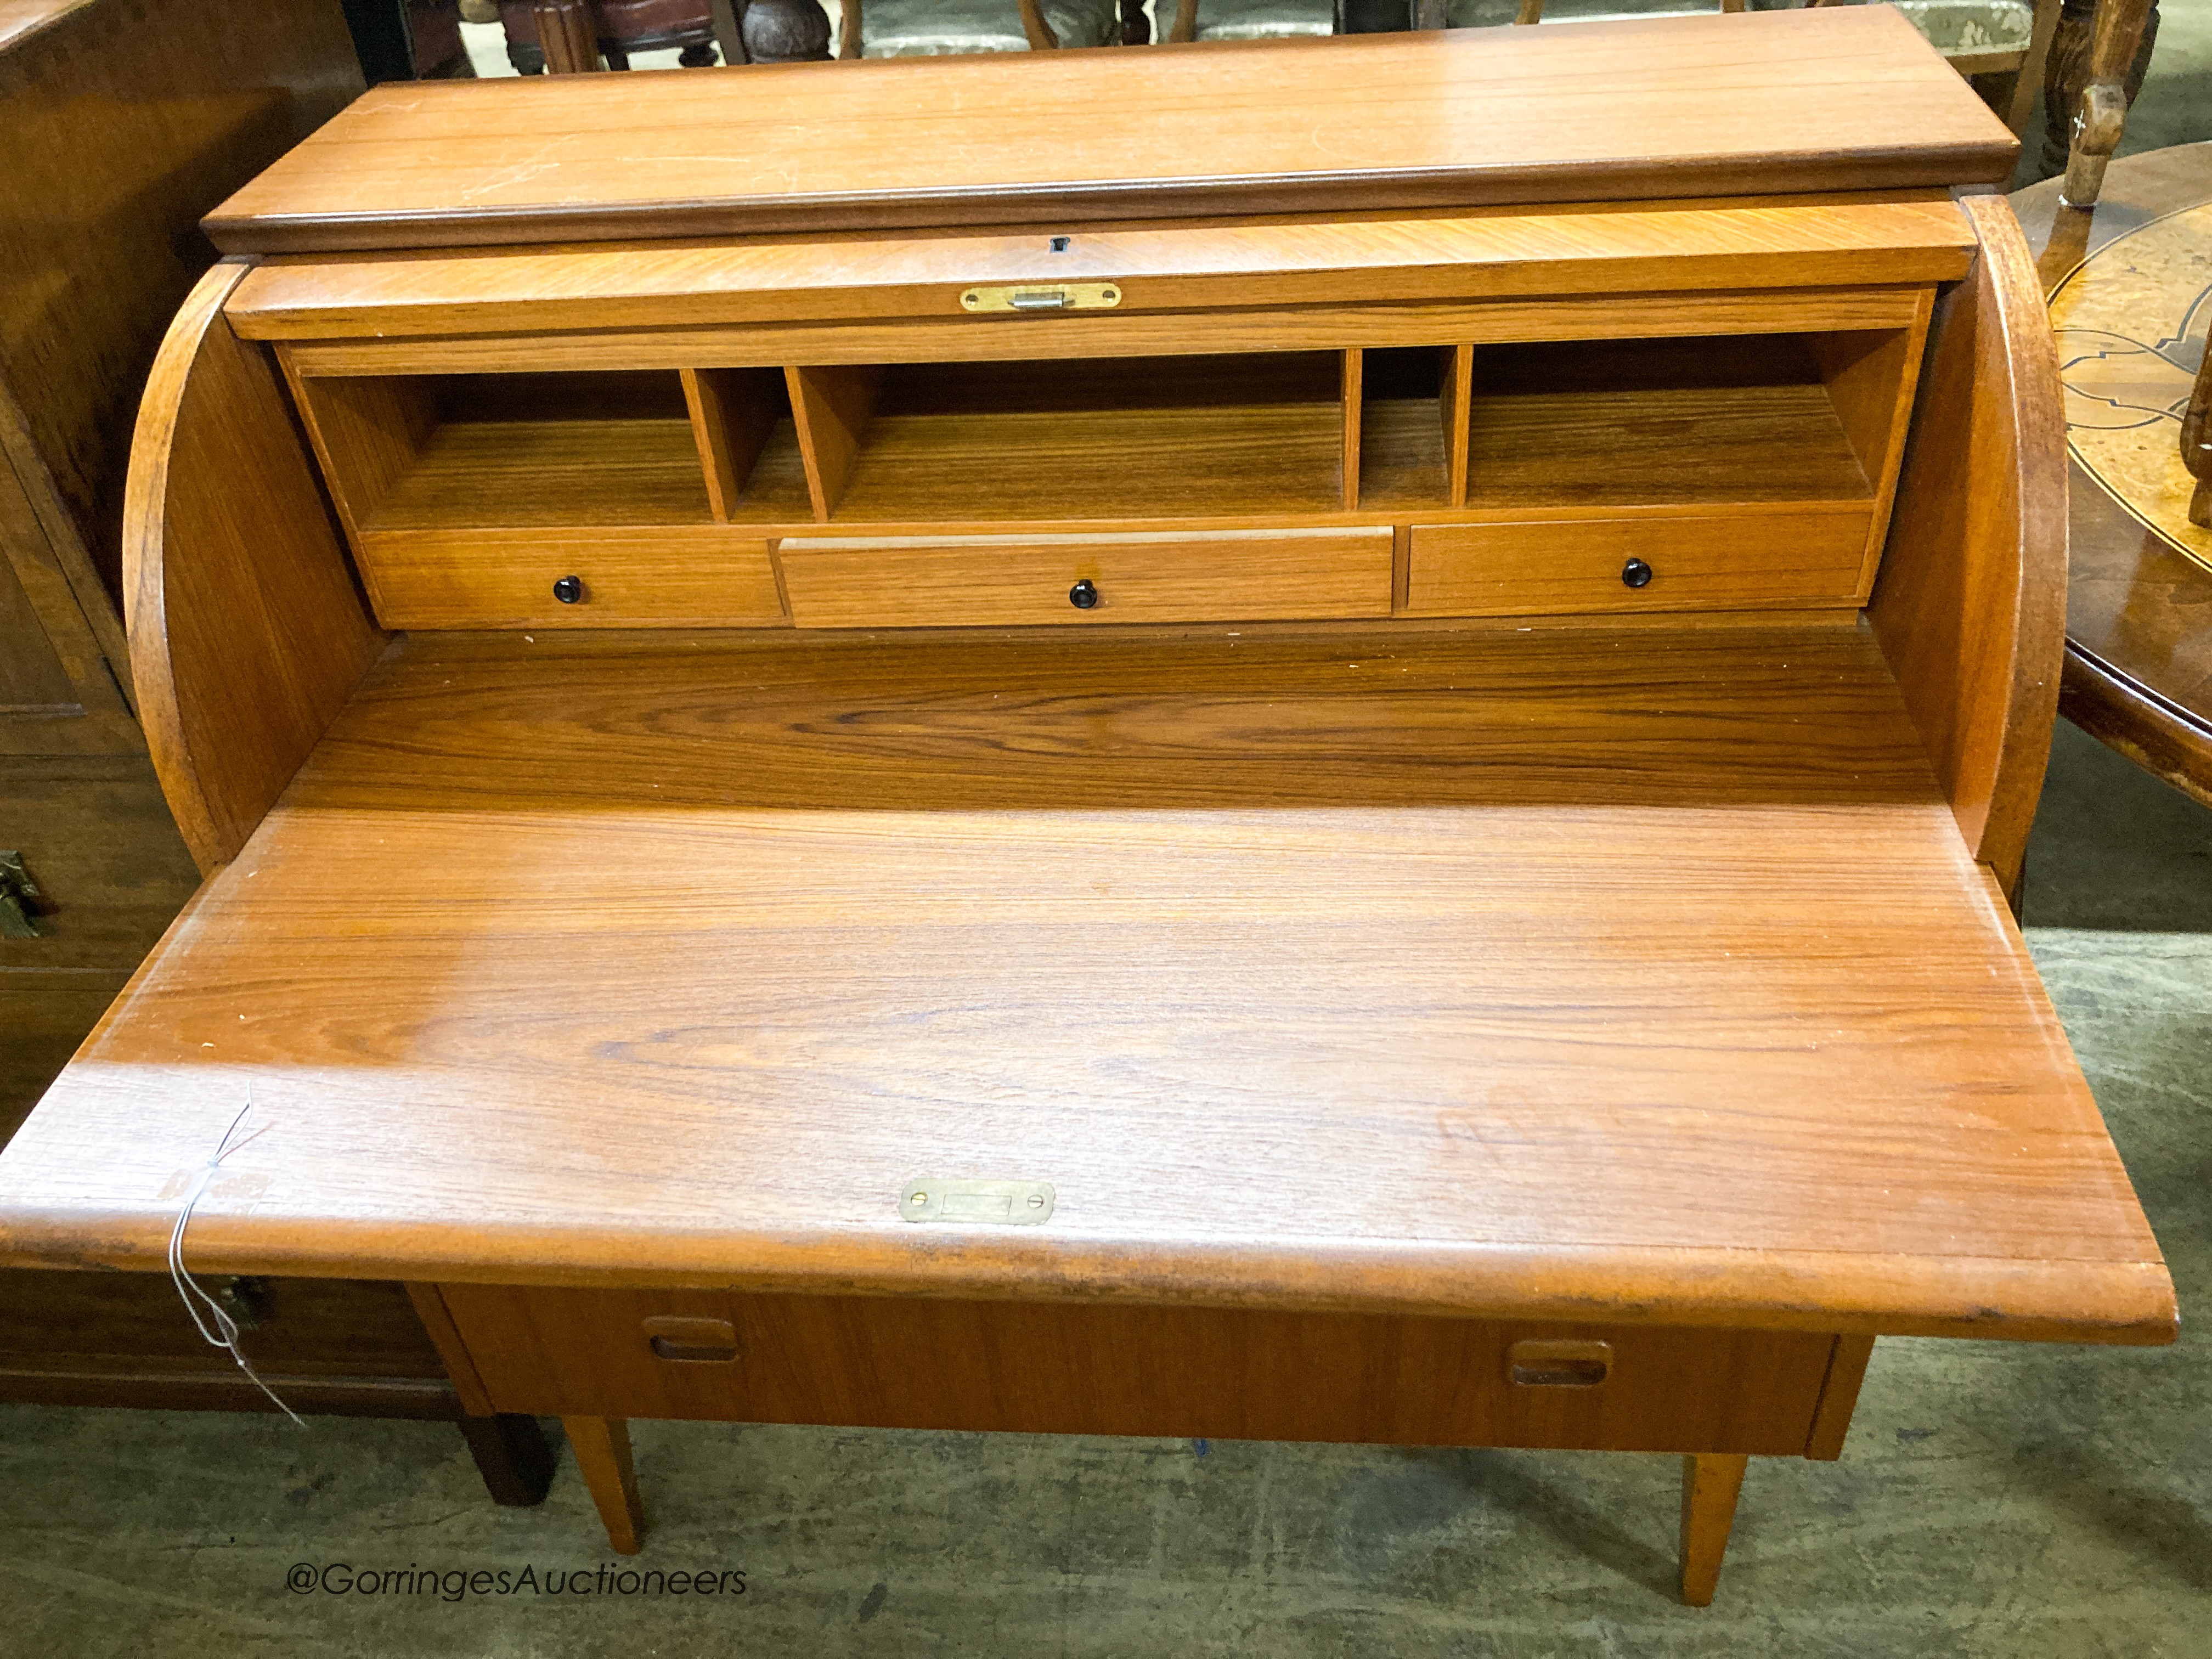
[1845,98]
[1632,974]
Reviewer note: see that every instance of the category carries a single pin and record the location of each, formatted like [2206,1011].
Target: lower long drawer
[1088,1369]
[671,576]
[1810,557]
[1242,575]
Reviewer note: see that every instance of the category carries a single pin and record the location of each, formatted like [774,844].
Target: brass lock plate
[1002,1203]
[1044,297]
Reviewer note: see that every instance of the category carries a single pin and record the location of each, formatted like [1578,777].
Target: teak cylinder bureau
[1135,752]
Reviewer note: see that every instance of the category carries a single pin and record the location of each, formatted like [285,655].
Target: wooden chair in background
[570,36]
[433,41]
[800,31]
[1250,19]
[2094,80]
[1282,20]
[947,29]
[2006,39]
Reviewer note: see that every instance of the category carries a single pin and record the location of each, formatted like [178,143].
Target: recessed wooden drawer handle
[1635,573]
[1545,1363]
[1083,595]
[570,590]
[702,1341]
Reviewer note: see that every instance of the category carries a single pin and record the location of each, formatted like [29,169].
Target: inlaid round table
[2130,291]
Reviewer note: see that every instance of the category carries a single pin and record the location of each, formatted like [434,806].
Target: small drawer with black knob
[680,576]
[1807,557]
[951,581]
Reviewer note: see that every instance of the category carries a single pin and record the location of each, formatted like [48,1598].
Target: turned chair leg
[512,1455]
[1710,1482]
[602,1449]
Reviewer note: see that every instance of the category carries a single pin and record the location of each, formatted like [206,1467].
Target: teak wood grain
[922,1362]
[1163,576]
[831,407]
[1454,395]
[1970,606]
[603,1454]
[699,576]
[1638,421]
[425,452]
[1872,380]
[1678,106]
[1711,1483]
[1806,557]
[734,413]
[1349,394]
[1643,972]
[1316,327]
[1571,1030]
[246,631]
[1906,237]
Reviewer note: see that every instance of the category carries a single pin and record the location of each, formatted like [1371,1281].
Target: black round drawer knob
[1635,573]
[570,590]
[1083,595]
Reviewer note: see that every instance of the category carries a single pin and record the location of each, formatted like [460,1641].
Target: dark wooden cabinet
[125,123]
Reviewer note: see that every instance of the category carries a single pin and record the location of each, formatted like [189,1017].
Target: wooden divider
[831,405]
[1455,383]
[1352,392]
[1870,379]
[733,410]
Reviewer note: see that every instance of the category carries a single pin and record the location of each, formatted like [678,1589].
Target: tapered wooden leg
[602,1449]
[513,1457]
[1710,1482]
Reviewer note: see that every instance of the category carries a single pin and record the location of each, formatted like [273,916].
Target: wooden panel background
[125,120]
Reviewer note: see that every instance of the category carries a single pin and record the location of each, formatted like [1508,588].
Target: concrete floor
[1993,1498]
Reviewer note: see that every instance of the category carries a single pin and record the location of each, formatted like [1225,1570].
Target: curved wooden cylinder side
[1970,609]
[247,631]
